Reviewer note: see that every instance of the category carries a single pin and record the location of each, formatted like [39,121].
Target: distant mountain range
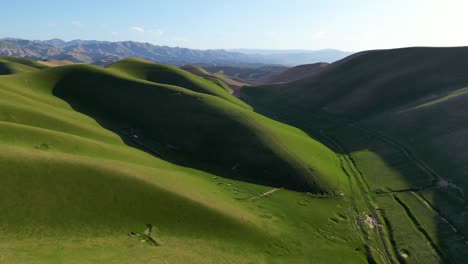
[105,52]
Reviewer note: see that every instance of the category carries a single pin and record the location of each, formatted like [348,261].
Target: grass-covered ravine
[90,154]
[399,117]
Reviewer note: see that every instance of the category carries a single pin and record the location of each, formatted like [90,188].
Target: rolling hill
[399,115]
[89,154]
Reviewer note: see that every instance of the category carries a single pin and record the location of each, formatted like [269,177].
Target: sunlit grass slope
[71,188]
[172,75]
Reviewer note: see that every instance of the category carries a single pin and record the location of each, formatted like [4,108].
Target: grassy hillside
[11,65]
[172,75]
[24,61]
[165,118]
[371,82]
[220,79]
[7,67]
[74,181]
[399,115]
[194,69]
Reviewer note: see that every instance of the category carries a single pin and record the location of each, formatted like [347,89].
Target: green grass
[409,242]
[72,187]
[436,227]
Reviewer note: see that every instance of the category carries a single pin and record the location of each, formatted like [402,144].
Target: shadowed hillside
[400,115]
[370,82]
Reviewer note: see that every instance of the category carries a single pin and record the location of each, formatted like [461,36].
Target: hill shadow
[127,109]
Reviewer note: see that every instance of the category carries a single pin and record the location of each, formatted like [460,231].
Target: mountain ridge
[106,52]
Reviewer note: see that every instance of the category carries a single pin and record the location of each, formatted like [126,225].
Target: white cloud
[138,29]
[77,23]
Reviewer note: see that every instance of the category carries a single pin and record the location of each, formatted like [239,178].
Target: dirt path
[376,242]
[270,192]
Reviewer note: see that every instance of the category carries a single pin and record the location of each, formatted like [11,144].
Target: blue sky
[259,24]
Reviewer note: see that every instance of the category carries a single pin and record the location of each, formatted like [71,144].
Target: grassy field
[89,154]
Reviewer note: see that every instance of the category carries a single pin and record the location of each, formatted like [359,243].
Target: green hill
[370,82]
[227,83]
[172,75]
[400,116]
[167,117]
[89,154]
[24,61]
